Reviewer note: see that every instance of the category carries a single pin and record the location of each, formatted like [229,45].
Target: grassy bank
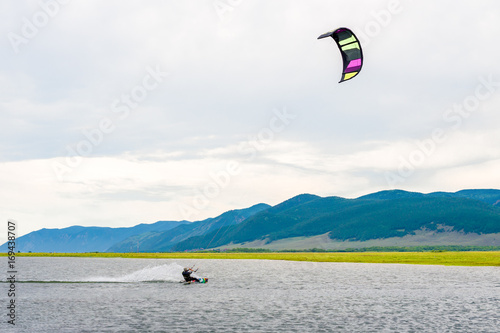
[482,258]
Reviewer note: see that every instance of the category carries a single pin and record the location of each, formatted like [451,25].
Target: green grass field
[480,258]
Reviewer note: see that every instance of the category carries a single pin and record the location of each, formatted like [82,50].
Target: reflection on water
[143,295]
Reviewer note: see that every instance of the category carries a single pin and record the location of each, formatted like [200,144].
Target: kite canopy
[350,48]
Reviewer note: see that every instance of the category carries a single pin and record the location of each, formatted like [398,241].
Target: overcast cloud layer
[115,113]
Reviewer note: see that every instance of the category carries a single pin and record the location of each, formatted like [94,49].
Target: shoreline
[447,258]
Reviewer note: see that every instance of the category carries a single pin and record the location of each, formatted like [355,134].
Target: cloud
[226,76]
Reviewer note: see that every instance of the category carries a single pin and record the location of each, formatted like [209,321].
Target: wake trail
[162,273]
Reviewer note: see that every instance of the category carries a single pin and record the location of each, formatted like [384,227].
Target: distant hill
[159,236]
[84,239]
[488,196]
[164,241]
[380,215]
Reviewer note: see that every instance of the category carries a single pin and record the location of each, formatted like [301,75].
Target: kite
[350,48]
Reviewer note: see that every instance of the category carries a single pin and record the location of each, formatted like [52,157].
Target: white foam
[163,273]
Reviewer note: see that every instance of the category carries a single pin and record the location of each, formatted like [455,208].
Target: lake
[144,295]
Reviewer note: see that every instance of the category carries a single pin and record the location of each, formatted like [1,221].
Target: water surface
[144,295]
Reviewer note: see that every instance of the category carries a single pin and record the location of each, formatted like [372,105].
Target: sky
[115,113]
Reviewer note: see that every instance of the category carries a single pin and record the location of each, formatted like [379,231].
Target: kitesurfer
[187,275]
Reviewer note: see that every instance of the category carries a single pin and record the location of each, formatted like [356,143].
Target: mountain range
[386,218]
[84,239]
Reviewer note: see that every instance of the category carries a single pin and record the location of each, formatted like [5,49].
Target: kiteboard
[200,280]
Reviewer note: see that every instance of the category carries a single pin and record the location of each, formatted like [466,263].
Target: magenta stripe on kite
[352,69]
[354,63]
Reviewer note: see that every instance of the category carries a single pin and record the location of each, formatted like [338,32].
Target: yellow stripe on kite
[347,76]
[350,47]
[347,41]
